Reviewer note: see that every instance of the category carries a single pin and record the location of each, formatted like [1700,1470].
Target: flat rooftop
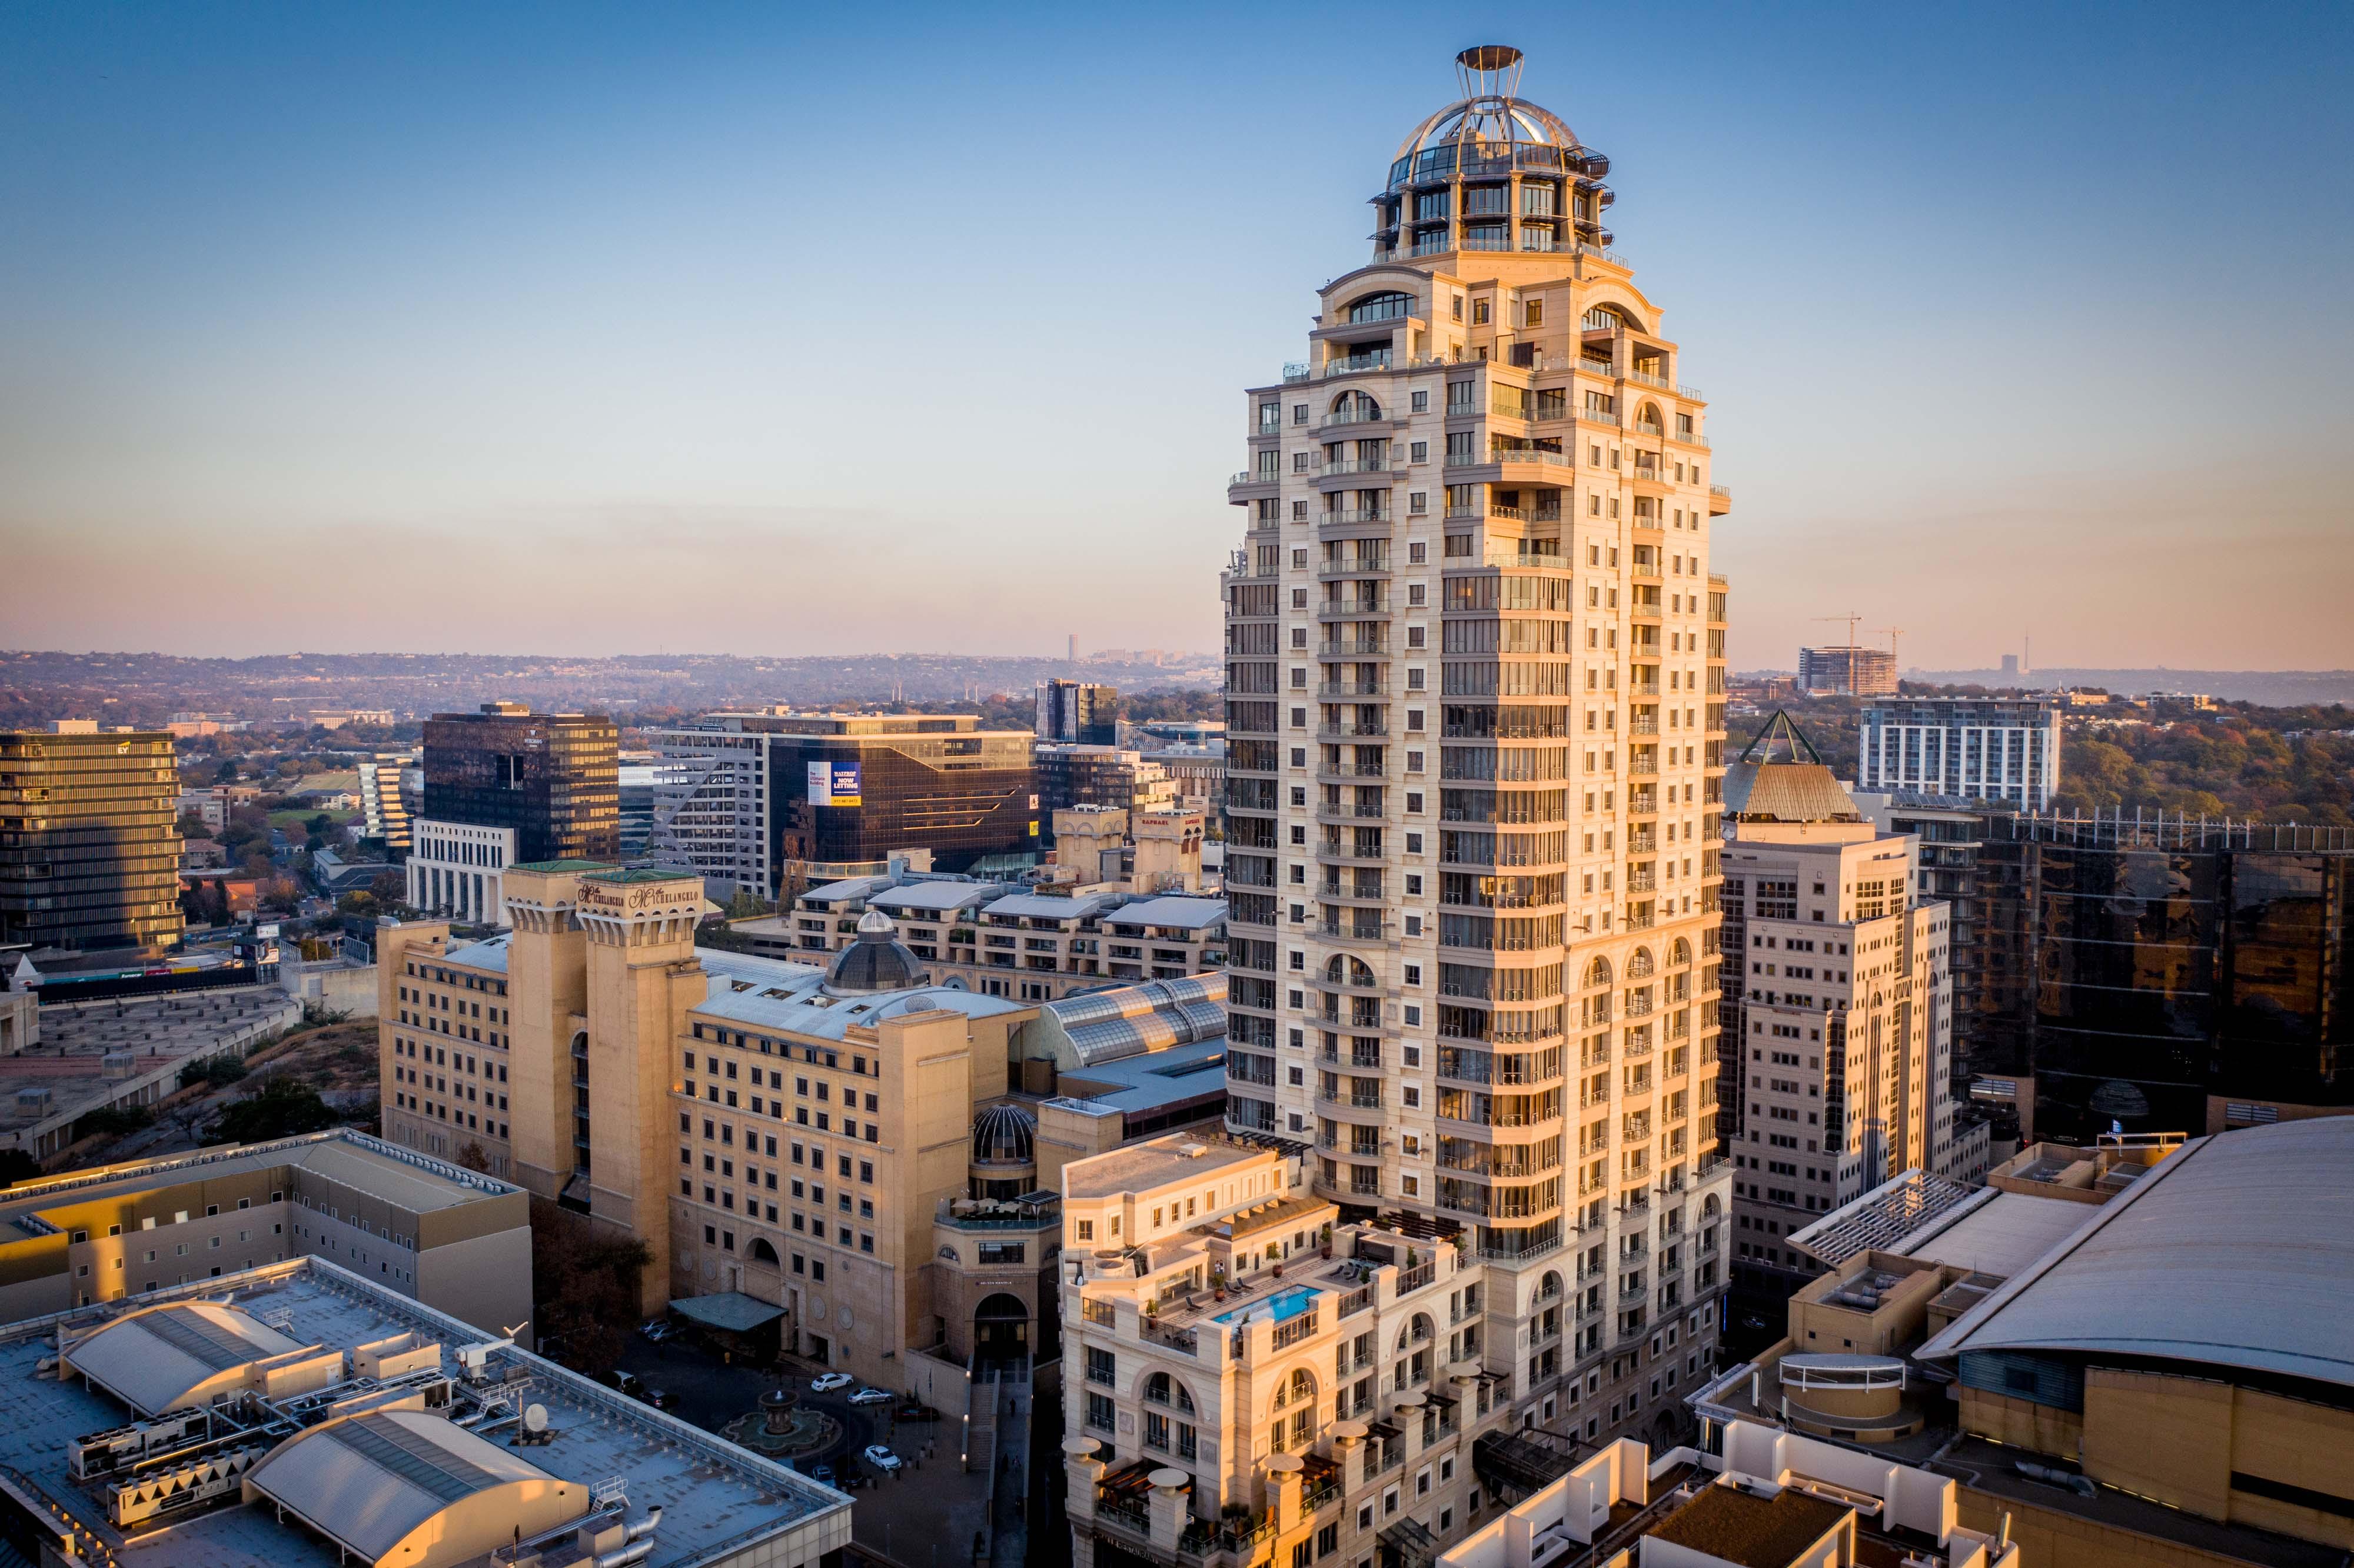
[142,1037]
[408,1180]
[1739,1526]
[1134,1084]
[714,1497]
[1143,1166]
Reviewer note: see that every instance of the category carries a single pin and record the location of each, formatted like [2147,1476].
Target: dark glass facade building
[897,781]
[554,778]
[1077,714]
[89,842]
[2174,976]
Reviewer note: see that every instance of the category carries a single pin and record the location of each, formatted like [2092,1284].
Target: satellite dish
[535,1418]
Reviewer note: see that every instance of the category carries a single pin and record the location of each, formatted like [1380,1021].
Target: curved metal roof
[2238,1251]
[370,1482]
[154,1359]
[1106,1026]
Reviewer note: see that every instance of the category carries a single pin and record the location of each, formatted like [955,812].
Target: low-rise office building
[457,869]
[861,1157]
[455,1239]
[2126,1353]
[302,1415]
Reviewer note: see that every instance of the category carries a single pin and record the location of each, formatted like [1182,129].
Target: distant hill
[147,688]
[2272,688]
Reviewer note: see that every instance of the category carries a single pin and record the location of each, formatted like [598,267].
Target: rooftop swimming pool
[1282,1306]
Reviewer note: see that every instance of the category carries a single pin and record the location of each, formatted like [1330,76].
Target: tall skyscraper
[89,839]
[1841,1066]
[1975,748]
[1079,713]
[1475,710]
[508,787]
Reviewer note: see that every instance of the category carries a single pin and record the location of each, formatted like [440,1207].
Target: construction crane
[1850,618]
[1892,633]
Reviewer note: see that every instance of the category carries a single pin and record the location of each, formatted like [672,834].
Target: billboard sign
[834,784]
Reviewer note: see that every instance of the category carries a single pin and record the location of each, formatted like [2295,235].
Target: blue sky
[773,329]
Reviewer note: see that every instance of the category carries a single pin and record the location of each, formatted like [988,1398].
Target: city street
[906,1518]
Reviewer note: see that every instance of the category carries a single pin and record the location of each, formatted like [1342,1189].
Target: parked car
[912,1411]
[872,1396]
[881,1458]
[826,1383]
[657,1329]
[822,1474]
[635,1387]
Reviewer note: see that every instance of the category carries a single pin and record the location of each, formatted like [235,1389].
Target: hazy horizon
[575,331]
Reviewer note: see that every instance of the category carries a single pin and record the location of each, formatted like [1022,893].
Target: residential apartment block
[1475,721]
[1839,1066]
[1247,1376]
[1991,748]
[1002,939]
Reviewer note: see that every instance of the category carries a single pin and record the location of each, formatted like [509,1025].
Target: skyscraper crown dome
[1491,128]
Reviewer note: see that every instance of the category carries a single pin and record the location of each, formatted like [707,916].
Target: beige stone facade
[1245,1376]
[452,1238]
[854,1146]
[1475,726]
[1843,1041]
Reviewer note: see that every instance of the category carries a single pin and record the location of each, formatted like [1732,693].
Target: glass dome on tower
[1492,172]
[877,960]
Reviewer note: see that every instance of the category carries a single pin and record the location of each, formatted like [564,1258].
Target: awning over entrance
[732,1311]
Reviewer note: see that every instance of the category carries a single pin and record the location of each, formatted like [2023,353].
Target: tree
[16,1165]
[473,1157]
[388,888]
[584,1285]
[191,826]
[282,1109]
[113,1121]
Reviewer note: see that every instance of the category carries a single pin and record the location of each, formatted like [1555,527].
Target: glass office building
[2163,977]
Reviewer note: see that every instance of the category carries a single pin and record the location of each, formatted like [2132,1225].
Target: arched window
[1351,407]
[1679,952]
[1549,1286]
[1598,972]
[1385,307]
[1639,965]
[1346,971]
[1299,1389]
[762,1252]
[1648,420]
[1708,1208]
[1162,1388]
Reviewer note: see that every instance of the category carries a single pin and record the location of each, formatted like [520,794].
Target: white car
[872,1396]
[881,1458]
[826,1383]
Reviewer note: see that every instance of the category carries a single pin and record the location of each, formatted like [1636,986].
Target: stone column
[1284,1481]
[1169,1513]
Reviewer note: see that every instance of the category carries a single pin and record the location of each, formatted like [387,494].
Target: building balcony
[1720,500]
